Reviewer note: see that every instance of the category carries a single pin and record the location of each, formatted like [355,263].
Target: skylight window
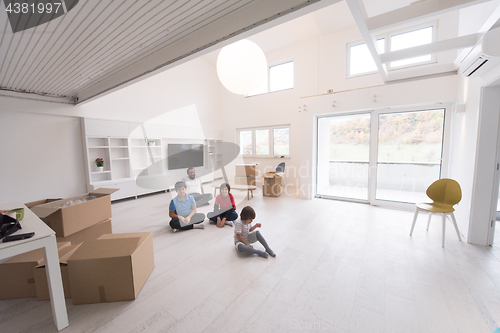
[410,39]
[361,62]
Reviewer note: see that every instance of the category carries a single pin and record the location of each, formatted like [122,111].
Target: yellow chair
[445,193]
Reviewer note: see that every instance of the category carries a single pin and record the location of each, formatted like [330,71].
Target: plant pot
[99,169]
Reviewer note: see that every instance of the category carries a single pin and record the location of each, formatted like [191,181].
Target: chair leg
[444,226]
[429,221]
[414,220]
[456,225]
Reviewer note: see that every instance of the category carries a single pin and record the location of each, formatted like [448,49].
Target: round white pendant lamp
[242,67]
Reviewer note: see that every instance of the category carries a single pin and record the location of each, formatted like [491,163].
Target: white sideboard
[130,148]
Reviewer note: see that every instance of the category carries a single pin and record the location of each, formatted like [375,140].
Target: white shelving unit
[119,158]
[128,153]
[117,172]
[214,157]
[98,148]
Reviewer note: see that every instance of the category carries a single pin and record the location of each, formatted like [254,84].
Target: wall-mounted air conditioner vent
[483,56]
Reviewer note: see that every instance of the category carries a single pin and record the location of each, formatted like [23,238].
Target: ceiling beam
[415,11]
[435,47]
[357,10]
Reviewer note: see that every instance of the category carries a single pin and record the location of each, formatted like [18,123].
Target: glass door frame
[346,113]
[495,196]
[372,176]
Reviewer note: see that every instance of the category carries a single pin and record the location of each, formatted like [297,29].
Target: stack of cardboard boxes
[96,265]
[245,174]
[272,184]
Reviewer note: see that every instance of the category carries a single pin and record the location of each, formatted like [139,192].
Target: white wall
[320,65]
[42,156]
[414,93]
[191,86]
[473,152]
[463,147]
[43,140]
[277,108]
[485,168]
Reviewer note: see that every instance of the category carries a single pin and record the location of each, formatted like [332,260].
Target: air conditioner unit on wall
[483,56]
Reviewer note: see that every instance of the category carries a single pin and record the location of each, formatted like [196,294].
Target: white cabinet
[117,173]
[119,158]
[214,157]
[132,149]
[94,127]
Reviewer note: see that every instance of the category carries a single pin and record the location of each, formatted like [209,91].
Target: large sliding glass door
[409,153]
[343,156]
[394,165]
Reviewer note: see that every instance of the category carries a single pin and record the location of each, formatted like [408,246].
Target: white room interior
[43,150]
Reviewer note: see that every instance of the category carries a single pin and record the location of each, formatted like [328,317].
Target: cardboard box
[245,170]
[69,220]
[40,274]
[92,232]
[111,268]
[273,177]
[250,180]
[40,202]
[272,190]
[16,274]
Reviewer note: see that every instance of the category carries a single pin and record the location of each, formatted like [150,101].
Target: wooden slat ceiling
[100,45]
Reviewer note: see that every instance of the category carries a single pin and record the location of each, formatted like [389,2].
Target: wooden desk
[44,238]
[248,188]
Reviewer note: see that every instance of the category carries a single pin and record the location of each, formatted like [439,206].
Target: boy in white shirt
[195,189]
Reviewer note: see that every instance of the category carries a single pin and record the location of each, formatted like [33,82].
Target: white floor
[340,267]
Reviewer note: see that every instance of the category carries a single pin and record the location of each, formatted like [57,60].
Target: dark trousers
[197,218]
[201,199]
[230,215]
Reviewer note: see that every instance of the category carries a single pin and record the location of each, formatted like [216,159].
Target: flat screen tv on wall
[183,156]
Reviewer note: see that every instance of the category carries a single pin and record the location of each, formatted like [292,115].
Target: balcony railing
[396,181]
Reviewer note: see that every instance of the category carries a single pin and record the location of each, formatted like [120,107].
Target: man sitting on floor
[195,188]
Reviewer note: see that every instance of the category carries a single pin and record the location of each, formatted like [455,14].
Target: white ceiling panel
[100,45]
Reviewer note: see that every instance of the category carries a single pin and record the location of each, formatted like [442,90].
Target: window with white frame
[360,58]
[265,141]
[279,77]
[245,142]
[361,62]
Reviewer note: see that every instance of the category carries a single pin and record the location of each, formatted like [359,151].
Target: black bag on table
[8,225]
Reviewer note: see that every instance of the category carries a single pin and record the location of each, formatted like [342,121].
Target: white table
[44,238]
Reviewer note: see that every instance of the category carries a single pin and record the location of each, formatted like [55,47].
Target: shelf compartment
[100,176]
[138,143]
[118,142]
[121,169]
[154,142]
[97,142]
[98,153]
[119,152]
